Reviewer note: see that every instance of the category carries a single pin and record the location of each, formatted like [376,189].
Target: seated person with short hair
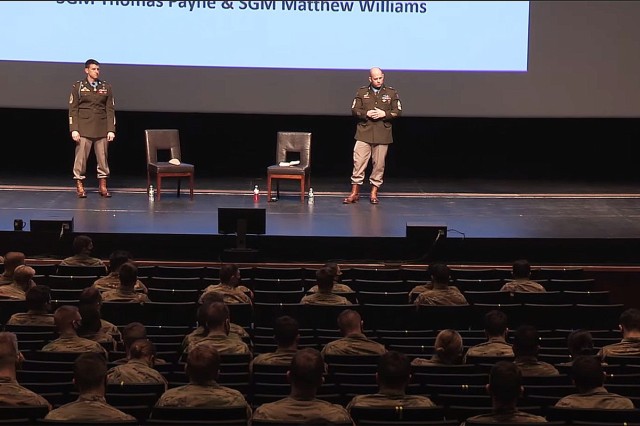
[338,287]
[496,330]
[286,334]
[521,271]
[629,324]
[12,260]
[139,367]
[112,280]
[67,319]
[441,293]
[218,324]
[353,342]
[324,295]
[229,286]
[38,308]
[91,297]
[125,292]
[526,344]
[22,282]
[82,246]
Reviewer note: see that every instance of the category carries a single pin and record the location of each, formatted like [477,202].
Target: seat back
[162,139]
[294,142]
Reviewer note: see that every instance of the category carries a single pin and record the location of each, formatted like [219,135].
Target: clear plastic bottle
[151,192]
[311,197]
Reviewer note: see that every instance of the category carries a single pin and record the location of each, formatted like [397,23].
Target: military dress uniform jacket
[376,131]
[92,109]
[596,398]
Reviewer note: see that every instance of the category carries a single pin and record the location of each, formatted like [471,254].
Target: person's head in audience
[350,322]
[207,299]
[505,385]
[526,341]
[218,318]
[394,372]
[580,342]
[521,269]
[203,363]
[117,258]
[324,279]
[38,298]
[440,275]
[334,268]
[12,260]
[306,373]
[230,274]
[286,332]
[630,323]
[132,332]
[90,296]
[91,321]
[587,373]
[449,347]
[82,244]
[90,373]
[495,323]
[10,357]
[144,350]
[23,277]
[67,319]
[128,273]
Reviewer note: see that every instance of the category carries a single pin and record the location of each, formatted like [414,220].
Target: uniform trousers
[83,149]
[362,152]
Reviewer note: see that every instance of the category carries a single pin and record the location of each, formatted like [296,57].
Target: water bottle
[256,194]
[311,199]
[151,192]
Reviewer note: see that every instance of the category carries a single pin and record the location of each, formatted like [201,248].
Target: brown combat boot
[373,197]
[354,196]
[102,188]
[80,189]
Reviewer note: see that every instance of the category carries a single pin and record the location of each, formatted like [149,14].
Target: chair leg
[159,185]
[302,189]
[191,186]
[268,188]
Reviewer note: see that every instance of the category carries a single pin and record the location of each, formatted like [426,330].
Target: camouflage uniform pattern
[311,411]
[324,299]
[39,318]
[530,366]
[337,288]
[133,372]
[11,393]
[596,398]
[88,408]
[390,400]
[514,416]
[417,290]
[74,344]
[211,395]
[6,279]
[353,344]
[235,331]
[446,296]
[82,260]
[224,344]
[279,357]
[12,291]
[105,340]
[495,346]
[434,360]
[112,282]
[523,285]
[120,295]
[626,347]
[229,294]
[111,329]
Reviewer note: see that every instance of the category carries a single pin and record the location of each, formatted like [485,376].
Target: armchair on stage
[166,140]
[291,143]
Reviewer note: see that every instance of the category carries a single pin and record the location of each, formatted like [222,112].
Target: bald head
[376,77]
[23,276]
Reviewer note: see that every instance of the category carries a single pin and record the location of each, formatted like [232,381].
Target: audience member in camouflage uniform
[324,295]
[126,290]
[505,386]
[89,373]
[442,293]
[131,333]
[218,325]
[579,343]
[91,328]
[139,368]
[286,334]
[67,319]
[526,344]
[521,271]
[354,341]
[12,260]
[495,328]
[393,376]
[588,376]
[338,287]
[235,330]
[11,393]
[630,343]
[112,280]
[203,364]
[22,282]
[229,286]
[82,247]
[91,296]
[306,376]
[38,308]
[448,349]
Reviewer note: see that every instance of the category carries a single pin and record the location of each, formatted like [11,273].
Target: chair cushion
[289,170]
[166,167]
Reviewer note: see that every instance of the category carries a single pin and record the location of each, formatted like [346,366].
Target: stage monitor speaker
[426,232]
[59,225]
[425,241]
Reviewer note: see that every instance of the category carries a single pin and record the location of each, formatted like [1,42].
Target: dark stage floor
[486,220]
